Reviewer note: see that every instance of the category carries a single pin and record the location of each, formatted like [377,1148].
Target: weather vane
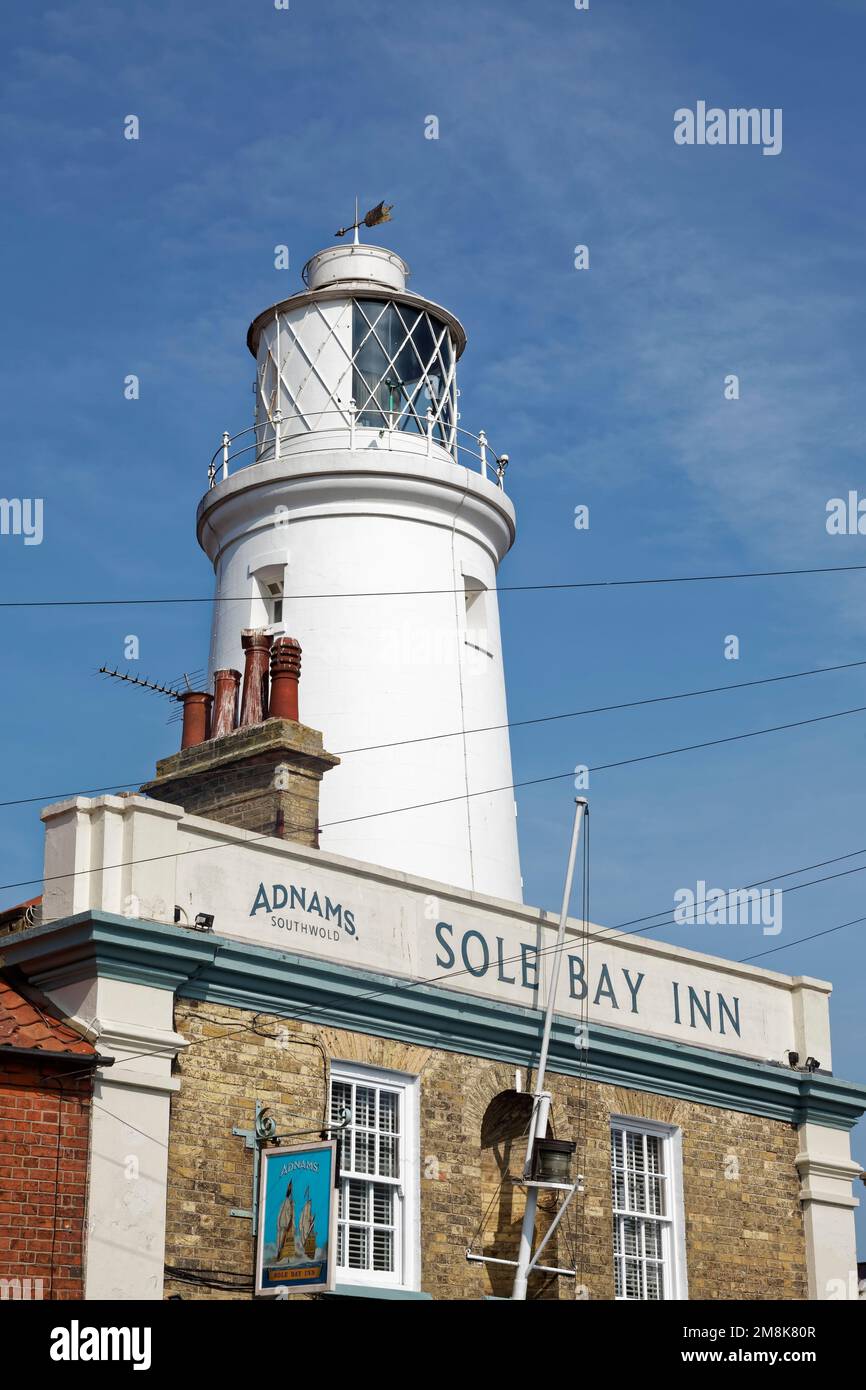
[380,213]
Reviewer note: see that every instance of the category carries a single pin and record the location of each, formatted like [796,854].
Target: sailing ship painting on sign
[296,1239]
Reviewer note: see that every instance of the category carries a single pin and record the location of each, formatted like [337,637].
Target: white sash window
[646,1191]
[378,1213]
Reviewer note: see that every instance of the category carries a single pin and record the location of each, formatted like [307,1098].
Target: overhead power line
[600,767]
[809,883]
[605,709]
[798,941]
[492,728]
[488,791]
[413,593]
[772,878]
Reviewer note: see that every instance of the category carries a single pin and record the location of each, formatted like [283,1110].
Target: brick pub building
[272,928]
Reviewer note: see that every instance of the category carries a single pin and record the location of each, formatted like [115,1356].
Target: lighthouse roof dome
[356,264]
[357,271]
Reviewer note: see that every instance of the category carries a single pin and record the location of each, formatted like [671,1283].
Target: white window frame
[266,570]
[476,617]
[408,1186]
[673,1225]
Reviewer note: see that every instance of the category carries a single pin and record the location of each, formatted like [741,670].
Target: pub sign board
[296,1245]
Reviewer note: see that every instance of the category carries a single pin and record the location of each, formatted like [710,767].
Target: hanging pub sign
[296,1246]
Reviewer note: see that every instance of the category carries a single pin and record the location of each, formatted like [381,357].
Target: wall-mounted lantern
[552,1160]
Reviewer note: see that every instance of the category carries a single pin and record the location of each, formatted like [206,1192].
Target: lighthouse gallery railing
[462,444]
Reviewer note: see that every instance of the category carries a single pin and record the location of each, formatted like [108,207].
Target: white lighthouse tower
[357,516]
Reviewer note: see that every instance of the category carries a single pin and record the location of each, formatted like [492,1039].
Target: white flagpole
[541,1098]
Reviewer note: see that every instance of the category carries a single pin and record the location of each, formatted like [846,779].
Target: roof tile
[32,1022]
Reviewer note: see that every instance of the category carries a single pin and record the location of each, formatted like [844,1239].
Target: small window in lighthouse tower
[475,596]
[268,597]
[274,603]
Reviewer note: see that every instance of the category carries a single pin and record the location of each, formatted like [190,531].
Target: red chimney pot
[254,701]
[196,717]
[226,685]
[285,674]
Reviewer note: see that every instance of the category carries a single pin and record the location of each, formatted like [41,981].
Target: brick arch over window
[504,1127]
[370,1051]
[663,1109]
[488,1080]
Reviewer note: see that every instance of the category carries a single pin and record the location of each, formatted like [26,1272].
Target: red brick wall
[44,1133]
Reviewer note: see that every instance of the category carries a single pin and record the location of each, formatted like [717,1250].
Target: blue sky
[606,388]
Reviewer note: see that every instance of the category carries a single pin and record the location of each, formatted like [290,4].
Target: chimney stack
[263,775]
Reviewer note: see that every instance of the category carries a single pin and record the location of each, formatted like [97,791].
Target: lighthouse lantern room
[359,517]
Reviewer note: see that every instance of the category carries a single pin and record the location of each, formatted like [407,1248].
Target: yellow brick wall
[744,1230]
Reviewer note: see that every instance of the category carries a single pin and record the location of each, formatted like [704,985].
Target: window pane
[634,1149]
[617,1139]
[364,1115]
[388,1111]
[630,1237]
[365,1153]
[341,1099]
[357,1200]
[656,1196]
[383,1204]
[652,1233]
[374,340]
[358,1247]
[654,1282]
[638,1192]
[383,1251]
[387,1157]
[632,1279]
[346,1149]
[398,370]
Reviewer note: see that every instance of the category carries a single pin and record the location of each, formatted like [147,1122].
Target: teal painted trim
[721,1079]
[216,969]
[373,1291]
[120,948]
